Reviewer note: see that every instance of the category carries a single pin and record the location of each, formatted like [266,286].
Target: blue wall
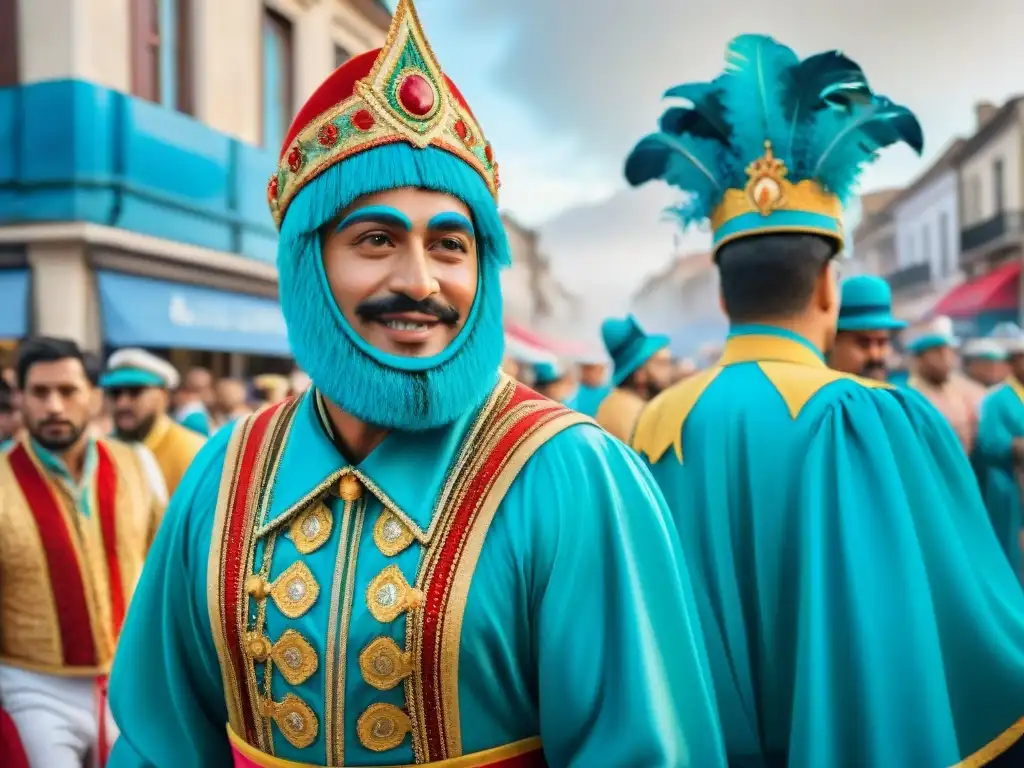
[73,151]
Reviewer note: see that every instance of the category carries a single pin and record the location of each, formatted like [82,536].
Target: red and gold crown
[396,93]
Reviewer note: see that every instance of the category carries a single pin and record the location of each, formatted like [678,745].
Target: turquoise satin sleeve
[905,605]
[165,689]
[855,605]
[622,673]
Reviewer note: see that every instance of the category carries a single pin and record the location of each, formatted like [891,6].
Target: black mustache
[374,309]
[56,423]
[873,366]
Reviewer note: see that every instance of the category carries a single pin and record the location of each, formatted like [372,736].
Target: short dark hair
[766,277]
[45,349]
[93,364]
[6,397]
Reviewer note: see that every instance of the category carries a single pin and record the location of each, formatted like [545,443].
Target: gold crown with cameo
[397,93]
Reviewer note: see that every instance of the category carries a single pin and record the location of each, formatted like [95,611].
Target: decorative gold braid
[217,567]
[450,637]
[334,713]
[347,598]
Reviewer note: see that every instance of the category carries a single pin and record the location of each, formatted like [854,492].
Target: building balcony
[73,151]
[991,234]
[912,276]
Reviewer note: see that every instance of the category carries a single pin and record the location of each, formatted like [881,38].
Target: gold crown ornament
[768,190]
[397,93]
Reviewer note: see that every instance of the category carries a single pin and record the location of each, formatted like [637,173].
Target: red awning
[535,339]
[997,291]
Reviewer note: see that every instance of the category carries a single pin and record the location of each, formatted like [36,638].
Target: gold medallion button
[384,664]
[294,657]
[295,590]
[390,534]
[311,529]
[382,727]
[257,586]
[296,721]
[389,595]
[349,488]
[258,648]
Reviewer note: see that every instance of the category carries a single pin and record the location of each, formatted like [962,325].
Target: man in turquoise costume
[643,368]
[999,456]
[419,561]
[593,384]
[552,380]
[864,330]
[856,608]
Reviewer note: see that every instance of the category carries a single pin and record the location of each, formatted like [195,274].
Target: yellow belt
[475,760]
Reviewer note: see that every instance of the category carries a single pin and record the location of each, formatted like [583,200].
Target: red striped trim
[234,557]
[448,558]
[533,759]
[12,753]
[73,618]
[106,500]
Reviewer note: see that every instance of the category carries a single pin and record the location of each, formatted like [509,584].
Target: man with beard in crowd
[984,361]
[232,402]
[999,456]
[193,400]
[593,385]
[137,386]
[553,380]
[76,520]
[642,368]
[936,377]
[408,564]
[865,327]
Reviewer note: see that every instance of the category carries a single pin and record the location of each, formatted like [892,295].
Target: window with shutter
[278,78]
[161,52]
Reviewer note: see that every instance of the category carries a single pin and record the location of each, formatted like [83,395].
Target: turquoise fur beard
[405,393]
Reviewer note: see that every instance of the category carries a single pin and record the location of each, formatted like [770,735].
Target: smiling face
[402,266]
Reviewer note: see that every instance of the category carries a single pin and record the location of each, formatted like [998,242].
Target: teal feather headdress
[774,144]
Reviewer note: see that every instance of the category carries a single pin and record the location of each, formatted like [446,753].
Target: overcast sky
[563,88]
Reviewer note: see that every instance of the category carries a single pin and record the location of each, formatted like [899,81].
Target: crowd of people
[407,556]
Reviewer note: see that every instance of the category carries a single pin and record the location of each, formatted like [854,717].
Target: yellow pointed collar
[795,369]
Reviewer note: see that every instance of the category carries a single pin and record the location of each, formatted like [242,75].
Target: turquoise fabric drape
[580,625]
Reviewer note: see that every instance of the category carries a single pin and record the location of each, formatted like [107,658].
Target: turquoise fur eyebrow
[451,221]
[381,214]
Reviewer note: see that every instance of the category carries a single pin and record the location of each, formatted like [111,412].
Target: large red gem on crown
[416,95]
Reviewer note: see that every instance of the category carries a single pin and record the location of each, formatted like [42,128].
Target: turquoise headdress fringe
[774,144]
[395,392]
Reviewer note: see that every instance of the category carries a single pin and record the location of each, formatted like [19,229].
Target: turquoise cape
[580,625]
[1002,421]
[856,606]
[588,399]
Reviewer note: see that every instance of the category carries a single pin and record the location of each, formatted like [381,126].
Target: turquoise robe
[588,399]
[856,607]
[1002,421]
[580,625]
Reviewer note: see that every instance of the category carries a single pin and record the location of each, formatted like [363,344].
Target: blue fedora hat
[866,305]
[628,346]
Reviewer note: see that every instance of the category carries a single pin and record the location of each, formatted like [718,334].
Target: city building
[926,219]
[873,249]
[542,316]
[136,140]
[990,168]
[682,301]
